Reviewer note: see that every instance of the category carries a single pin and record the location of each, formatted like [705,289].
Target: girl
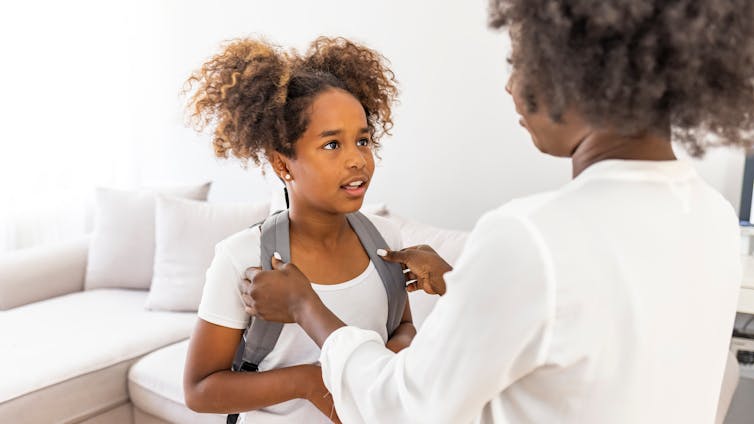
[316,119]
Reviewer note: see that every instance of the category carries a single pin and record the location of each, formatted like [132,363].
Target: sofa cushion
[447,243]
[66,358]
[121,251]
[186,232]
[155,383]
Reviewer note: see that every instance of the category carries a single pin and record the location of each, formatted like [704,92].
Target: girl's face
[333,163]
[554,138]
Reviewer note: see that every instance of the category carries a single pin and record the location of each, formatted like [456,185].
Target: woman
[608,300]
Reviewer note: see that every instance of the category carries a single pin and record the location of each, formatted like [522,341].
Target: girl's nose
[509,85]
[356,159]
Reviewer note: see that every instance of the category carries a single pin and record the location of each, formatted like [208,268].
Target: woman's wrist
[316,319]
[305,307]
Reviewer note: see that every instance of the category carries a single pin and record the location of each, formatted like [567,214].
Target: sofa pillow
[186,233]
[447,243]
[121,250]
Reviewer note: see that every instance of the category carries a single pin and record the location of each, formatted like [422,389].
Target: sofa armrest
[43,272]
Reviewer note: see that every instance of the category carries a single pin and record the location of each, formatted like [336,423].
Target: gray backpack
[261,336]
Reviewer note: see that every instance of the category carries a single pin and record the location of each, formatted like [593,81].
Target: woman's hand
[277,295]
[316,392]
[425,268]
[286,295]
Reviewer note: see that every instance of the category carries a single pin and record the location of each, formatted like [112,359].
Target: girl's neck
[603,145]
[315,227]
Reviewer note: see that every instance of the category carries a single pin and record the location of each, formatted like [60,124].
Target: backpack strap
[264,334]
[390,273]
[260,337]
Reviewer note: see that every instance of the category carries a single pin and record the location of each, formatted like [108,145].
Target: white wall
[457,149]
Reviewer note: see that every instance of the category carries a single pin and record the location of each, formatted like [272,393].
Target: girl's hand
[277,295]
[399,342]
[425,268]
[317,393]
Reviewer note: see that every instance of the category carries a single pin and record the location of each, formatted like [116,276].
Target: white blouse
[609,300]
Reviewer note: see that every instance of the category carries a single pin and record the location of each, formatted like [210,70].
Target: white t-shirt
[610,300]
[361,302]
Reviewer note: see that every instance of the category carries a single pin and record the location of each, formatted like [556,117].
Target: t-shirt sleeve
[492,327]
[221,299]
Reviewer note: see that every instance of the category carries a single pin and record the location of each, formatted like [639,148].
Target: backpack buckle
[248,366]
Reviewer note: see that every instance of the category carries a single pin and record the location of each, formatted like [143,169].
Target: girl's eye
[364,142]
[331,145]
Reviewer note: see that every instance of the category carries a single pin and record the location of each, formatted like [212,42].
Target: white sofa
[70,355]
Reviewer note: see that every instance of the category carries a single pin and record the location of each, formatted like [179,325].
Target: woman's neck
[603,145]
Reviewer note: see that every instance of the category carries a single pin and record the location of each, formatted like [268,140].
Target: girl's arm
[210,386]
[405,332]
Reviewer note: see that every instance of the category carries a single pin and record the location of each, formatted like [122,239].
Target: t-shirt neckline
[346,284]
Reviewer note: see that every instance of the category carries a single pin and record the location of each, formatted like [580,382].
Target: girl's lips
[355,191]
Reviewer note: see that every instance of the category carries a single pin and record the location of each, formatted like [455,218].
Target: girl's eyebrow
[330,133]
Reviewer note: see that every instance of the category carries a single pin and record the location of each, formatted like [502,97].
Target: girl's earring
[287,177]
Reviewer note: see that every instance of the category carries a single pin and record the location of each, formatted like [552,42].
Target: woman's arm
[210,386]
[490,330]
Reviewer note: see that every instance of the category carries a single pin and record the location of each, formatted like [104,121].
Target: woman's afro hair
[638,66]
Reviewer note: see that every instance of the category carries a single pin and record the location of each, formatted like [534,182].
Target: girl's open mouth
[355,188]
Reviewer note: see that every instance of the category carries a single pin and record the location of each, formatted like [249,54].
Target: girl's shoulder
[242,247]
[388,229]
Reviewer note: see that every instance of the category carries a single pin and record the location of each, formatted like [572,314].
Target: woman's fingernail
[277,256]
[381,252]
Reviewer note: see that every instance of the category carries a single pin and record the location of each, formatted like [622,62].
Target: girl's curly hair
[256,95]
[639,65]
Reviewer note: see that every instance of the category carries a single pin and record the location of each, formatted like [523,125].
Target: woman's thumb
[392,255]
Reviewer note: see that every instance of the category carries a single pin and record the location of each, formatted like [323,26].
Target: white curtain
[65,113]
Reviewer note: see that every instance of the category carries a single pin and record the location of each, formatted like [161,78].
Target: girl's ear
[279,165]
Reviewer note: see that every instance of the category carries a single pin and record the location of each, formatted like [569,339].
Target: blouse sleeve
[490,328]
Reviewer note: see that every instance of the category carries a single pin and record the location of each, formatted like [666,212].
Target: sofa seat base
[155,383]
[66,359]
